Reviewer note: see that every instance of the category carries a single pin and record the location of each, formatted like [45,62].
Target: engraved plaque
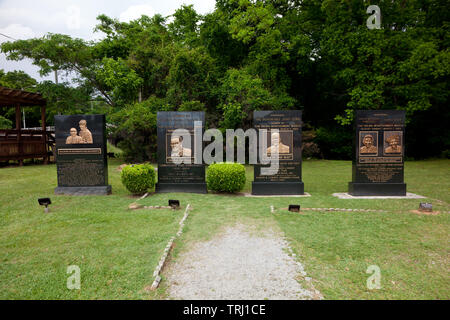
[378,153]
[81,155]
[172,148]
[288,143]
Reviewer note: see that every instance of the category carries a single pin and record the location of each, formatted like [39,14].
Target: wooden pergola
[19,144]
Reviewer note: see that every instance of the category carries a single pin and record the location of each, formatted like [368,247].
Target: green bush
[138,178]
[335,142]
[135,130]
[226,177]
[118,153]
[5,123]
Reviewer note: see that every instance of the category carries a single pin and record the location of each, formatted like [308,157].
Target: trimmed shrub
[138,178]
[226,177]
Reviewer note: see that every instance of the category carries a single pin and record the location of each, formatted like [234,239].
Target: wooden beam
[43,117]
[15,94]
[18,127]
[5,102]
[10,97]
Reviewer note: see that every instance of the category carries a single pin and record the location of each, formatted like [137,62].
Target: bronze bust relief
[177,149]
[394,144]
[368,145]
[83,137]
[277,145]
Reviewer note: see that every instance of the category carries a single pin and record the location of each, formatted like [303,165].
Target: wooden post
[19,137]
[44,134]
[17,117]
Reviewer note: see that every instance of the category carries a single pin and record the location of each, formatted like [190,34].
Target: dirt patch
[427,213]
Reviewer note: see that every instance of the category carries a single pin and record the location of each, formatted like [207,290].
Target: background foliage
[317,56]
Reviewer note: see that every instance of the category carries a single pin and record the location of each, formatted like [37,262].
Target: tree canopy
[314,55]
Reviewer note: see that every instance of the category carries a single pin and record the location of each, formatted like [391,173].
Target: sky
[25,19]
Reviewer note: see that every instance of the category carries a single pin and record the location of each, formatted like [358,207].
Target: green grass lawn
[117,249]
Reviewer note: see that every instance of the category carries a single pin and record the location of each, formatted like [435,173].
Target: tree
[62,98]
[314,55]
[55,52]
[192,76]
[403,65]
[184,27]
[17,80]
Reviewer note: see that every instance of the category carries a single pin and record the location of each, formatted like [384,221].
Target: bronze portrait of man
[394,144]
[74,138]
[277,145]
[368,146]
[85,134]
[177,150]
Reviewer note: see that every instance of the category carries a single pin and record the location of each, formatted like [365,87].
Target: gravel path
[238,265]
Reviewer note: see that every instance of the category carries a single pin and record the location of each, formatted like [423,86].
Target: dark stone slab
[182,177]
[376,189]
[83,191]
[288,180]
[81,157]
[278,188]
[181,187]
[378,154]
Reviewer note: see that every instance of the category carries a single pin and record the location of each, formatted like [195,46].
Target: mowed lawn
[117,249]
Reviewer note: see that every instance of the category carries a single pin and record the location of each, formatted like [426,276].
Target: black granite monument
[288,179]
[179,177]
[378,150]
[81,160]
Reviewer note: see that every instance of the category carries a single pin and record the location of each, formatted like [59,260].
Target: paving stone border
[135,205]
[302,271]
[272,209]
[169,246]
[342,209]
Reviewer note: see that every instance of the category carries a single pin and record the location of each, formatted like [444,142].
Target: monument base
[278,188]
[376,189]
[181,187]
[84,191]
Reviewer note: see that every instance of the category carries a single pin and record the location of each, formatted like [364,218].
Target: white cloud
[16,31]
[135,12]
[73,18]
[201,6]
[26,19]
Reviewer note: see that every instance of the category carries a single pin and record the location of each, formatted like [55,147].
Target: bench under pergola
[19,144]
